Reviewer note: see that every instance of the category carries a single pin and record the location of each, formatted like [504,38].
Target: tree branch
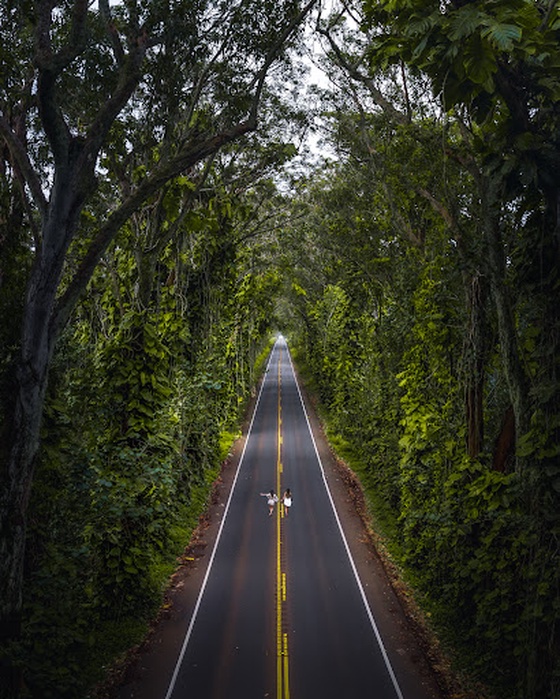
[50,65]
[188,157]
[275,52]
[354,73]
[118,50]
[190,154]
[129,77]
[19,154]
[437,206]
[174,227]
[548,14]
[77,41]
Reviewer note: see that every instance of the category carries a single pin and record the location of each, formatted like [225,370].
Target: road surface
[280,609]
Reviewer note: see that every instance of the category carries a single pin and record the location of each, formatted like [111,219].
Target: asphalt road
[282,611]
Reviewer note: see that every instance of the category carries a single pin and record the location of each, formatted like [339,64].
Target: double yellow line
[282,661]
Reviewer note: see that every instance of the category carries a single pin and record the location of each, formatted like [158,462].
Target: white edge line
[188,634]
[346,546]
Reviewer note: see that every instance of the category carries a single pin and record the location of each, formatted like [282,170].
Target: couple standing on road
[273,499]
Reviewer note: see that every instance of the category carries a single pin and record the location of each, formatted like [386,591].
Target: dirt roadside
[145,670]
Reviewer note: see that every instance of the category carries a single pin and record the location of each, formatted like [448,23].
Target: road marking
[286,672]
[282,667]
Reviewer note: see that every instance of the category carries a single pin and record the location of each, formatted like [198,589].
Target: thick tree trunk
[16,486]
[30,382]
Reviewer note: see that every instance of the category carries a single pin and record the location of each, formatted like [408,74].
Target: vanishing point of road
[280,608]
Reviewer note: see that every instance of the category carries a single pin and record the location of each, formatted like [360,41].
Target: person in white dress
[287,501]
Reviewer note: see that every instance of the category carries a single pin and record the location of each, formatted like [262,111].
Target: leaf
[464,22]
[502,36]
[480,64]
[421,25]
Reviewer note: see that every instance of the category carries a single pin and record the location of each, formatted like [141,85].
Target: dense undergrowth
[105,536]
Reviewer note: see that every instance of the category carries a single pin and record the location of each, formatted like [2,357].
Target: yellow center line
[282,679]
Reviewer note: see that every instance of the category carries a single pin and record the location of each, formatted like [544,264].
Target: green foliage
[462,48]
[135,366]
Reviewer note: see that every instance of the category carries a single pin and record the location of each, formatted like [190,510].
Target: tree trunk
[515,375]
[504,447]
[38,339]
[475,352]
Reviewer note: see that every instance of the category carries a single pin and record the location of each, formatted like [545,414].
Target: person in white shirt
[272,500]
